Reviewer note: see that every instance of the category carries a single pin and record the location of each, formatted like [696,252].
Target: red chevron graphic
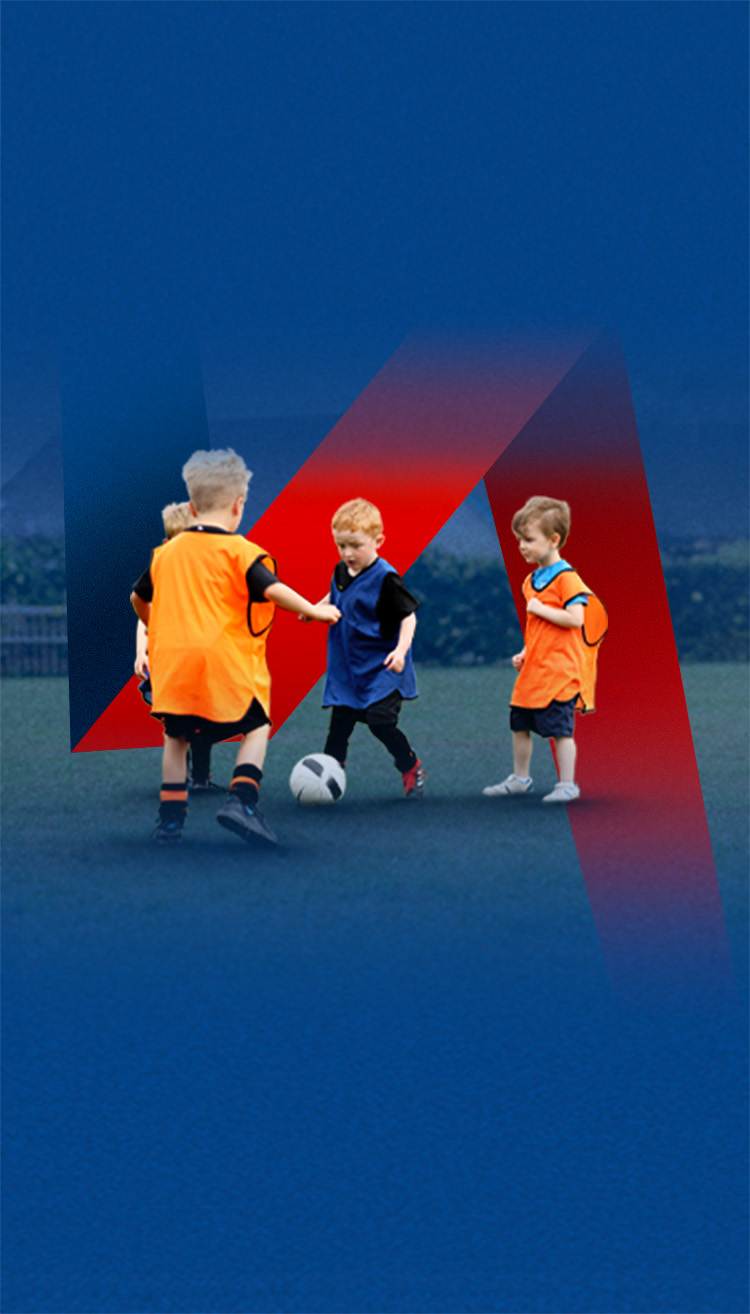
[640,828]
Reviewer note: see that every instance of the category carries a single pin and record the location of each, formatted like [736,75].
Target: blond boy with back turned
[176,517]
[208,600]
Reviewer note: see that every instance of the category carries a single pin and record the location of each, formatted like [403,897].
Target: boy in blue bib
[370,667]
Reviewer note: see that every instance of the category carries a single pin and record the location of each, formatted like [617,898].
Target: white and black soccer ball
[317,779]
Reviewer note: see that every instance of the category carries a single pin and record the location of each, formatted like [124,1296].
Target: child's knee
[379,718]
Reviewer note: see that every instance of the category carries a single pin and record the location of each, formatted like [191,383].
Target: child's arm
[570,618]
[395,660]
[142,609]
[322,603]
[285,597]
[141,651]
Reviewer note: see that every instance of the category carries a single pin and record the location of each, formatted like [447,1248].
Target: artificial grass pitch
[78,850]
[77,826]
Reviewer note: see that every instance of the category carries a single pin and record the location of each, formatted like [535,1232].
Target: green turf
[77,825]
[717,698]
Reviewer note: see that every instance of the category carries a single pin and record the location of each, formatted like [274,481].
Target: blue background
[272,197]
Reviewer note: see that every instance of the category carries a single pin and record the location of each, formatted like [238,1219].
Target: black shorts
[553,722]
[384,712]
[212,732]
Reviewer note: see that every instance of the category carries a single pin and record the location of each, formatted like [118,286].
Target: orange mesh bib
[207,642]
[560,662]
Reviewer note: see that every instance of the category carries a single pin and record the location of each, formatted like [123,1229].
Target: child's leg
[522,750]
[200,753]
[520,781]
[566,759]
[382,720]
[174,759]
[173,803]
[248,771]
[343,721]
[240,813]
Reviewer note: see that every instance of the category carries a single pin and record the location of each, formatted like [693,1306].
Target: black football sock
[173,804]
[246,783]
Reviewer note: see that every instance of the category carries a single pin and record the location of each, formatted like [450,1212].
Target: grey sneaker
[511,785]
[245,820]
[564,792]
[168,832]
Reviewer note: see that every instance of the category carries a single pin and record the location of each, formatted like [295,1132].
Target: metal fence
[33,641]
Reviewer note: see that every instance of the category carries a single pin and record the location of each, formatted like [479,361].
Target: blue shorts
[553,722]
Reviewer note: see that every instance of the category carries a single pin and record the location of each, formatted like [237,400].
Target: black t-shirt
[258,577]
[393,604]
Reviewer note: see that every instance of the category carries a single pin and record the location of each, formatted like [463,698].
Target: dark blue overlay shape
[133,410]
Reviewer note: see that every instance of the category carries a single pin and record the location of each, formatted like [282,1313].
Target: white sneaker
[511,785]
[564,792]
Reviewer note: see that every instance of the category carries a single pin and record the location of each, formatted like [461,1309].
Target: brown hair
[358,515]
[552,516]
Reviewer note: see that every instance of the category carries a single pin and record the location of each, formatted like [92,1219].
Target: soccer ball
[317,779]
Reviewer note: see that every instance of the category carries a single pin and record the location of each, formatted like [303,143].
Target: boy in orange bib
[557,666]
[208,599]
[176,517]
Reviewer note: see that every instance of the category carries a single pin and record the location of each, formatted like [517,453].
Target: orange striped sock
[246,783]
[173,799]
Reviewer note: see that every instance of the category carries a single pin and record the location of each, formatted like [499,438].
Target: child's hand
[534,607]
[307,619]
[140,666]
[519,659]
[395,661]
[327,613]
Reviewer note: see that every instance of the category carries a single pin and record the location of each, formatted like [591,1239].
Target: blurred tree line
[468,616]
[32,572]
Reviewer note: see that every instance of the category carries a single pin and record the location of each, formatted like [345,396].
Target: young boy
[555,669]
[176,517]
[370,668]
[208,600]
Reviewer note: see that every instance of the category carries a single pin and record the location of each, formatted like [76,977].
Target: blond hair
[176,517]
[552,516]
[215,479]
[358,515]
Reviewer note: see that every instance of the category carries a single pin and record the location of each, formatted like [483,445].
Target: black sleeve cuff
[143,588]
[259,578]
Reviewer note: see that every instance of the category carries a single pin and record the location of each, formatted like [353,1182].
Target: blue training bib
[356,676]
